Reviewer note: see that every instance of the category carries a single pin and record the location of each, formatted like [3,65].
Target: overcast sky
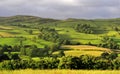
[61,9]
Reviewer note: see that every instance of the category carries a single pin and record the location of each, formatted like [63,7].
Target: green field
[11,35]
[80,37]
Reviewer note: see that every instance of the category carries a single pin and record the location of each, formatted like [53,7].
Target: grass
[6,27]
[63,29]
[15,41]
[9,41]
[30,71]
[10,35]
[36,58]
[85,48]
[79,37]
[5,34]
[78,53]
[77,50]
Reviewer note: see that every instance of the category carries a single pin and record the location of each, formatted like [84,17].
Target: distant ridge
[40,20]
[25,19]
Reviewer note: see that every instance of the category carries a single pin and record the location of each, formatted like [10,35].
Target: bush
[105,55]
[15,57]
[4,57]
[69,62]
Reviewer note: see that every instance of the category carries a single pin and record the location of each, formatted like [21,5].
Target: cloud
[61,8]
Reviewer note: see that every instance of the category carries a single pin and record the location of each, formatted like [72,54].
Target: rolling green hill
[13,28]
[65,28]
[25,19]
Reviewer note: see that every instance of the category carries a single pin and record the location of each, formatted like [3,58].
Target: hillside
[101,27]
[29,42]
[25,19]
[16,28]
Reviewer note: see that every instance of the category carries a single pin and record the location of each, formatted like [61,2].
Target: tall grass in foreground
[29,71]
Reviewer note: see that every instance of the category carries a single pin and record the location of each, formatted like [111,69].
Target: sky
[61,9]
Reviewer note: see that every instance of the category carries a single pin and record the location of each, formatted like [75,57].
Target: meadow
[11,35]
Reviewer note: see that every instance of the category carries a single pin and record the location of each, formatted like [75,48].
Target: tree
[116,28]
[23,51]
[113,56]
[84,28]
[1,51]
[49,34]
[108,42]
[61,53]
[9,49]
[105,55]
[16,48]
[66,42]
[15,57]
[4,57]
[116,63]
[5,47]
[86,61]
[54,47]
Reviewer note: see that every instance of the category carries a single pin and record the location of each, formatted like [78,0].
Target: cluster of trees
[67,62]
[4,57]
[49,34]
[84,28]
[29,50]
[6,52]
[117,29]
[108,42]
[20,25]
[33,51]
[9,48]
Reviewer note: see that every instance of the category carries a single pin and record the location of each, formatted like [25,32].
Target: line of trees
[66,62]
[34,51]
[50,34]
[84,28]
[27,50]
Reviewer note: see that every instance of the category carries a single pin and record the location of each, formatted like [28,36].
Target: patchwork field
[11,35]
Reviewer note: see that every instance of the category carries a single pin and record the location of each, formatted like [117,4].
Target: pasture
[11,35]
